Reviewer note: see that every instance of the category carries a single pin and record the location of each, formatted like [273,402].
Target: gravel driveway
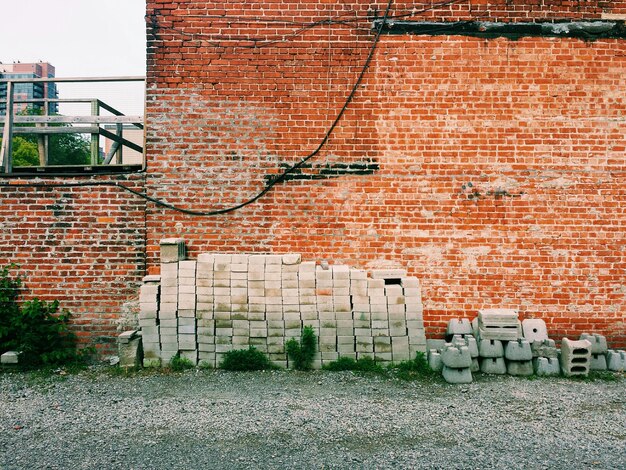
[212,419]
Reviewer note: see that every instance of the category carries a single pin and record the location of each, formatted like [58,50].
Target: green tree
[63,149]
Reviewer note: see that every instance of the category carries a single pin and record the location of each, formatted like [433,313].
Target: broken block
[575,357]
[545,348]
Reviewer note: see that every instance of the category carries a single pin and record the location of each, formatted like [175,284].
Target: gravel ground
[212,419]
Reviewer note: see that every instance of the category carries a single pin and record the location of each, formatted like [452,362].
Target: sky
[81,38]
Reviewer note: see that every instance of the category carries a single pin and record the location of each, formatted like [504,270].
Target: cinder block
[388,274]
[457,376]
[172,250]
[598,343]
[546,366]
[456,357]
[491,348]
[575,357]
[518,350]
[493,365]
[534,329]
[520,368]
[434,360]
[616,360]
[458,326]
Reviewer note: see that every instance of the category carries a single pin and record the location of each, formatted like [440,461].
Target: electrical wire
[270,184]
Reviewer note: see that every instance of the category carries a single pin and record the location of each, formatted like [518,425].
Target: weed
[364,364]
[246,359]
[36,328]
[417,368]
[303,352]
[179,363]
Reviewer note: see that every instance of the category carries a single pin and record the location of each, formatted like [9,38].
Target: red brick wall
[84,246]
[501,163]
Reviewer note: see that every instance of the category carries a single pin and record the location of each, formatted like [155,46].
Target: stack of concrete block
[498,323]
[518,357]
[575,357]
[599,349]
[205,303]
[149,322]
[203,309]
[616,360]
[544,352]
[491,352]
[457,362]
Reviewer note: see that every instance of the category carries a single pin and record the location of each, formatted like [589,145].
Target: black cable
[271,184]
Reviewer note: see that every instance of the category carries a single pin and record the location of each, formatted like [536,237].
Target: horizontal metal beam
[74,79]
[52,100]
[79,119]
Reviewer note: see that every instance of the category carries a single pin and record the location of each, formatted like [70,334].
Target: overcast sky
[81,38]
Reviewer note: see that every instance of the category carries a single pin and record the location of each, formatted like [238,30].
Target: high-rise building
[29,91]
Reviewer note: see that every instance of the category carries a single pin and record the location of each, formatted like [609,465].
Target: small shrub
[178,363]
[303,352]
[364,364]
[414,369]
[246,359]
[37,328]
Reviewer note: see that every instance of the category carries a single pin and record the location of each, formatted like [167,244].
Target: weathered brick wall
[84,246]
[491,169]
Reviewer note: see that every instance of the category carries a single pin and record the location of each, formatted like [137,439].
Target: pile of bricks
[203,308]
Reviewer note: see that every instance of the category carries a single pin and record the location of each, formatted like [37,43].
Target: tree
[63,149]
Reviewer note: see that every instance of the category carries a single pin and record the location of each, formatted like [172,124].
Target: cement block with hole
[493,365]
[457,376]
[546,366]
[575,357]
[456,357]
[518,350]
[545,348]
[616,360]
[520,368]
[534,329]
[598,343]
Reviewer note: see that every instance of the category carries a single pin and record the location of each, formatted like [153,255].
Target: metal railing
[44,125]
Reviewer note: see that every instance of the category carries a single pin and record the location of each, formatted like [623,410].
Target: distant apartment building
[29,91]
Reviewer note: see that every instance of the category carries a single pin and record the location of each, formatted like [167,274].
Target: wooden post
[7,136]
[118,154]
[95,138]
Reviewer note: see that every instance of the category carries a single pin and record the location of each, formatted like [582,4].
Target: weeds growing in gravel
[179,363]
[415,369]
[245,360]
[364,364]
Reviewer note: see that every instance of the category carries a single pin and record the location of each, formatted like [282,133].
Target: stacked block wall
[492,169]
[221,302]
